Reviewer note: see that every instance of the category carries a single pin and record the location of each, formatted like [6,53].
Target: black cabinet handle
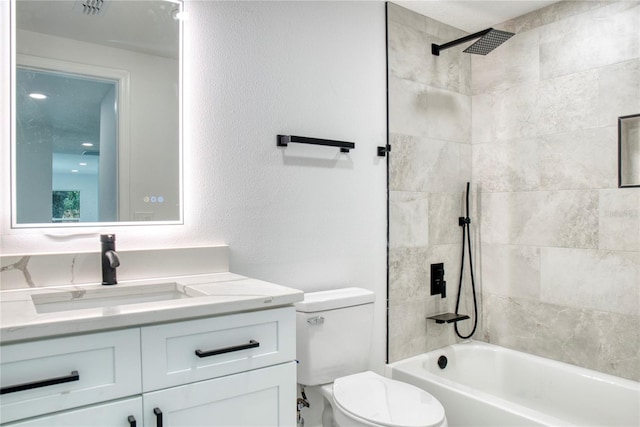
[74,376]
[252,344]
[158,413]
[132,421]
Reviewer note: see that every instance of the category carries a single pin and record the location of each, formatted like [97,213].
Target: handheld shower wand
[465,223]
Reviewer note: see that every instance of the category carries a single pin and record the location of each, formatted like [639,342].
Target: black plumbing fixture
[465,223]
[382,151]
[489,40]
[448,317]
[442,362]
[438,284]
[110,260]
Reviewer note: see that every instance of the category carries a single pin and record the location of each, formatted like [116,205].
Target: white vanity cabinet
[231,370]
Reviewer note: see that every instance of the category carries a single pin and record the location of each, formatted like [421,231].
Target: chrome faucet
[110,260]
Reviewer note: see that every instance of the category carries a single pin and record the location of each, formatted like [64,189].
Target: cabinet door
[113,414]
[263,397]
[46,376]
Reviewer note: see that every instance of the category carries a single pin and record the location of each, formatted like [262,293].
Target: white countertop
[223,293]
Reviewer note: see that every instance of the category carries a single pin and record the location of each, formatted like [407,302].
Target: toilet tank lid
[335,298]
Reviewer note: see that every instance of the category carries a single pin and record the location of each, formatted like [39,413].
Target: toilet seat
[382,401]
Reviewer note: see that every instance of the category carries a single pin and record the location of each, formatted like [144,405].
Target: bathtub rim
[409,365]
[587,372]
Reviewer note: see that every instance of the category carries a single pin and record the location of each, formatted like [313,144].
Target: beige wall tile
[581,159]
[507,166]
[601,37]
[606,342]
[512,271]
[599,280]
[427,165]
[408,219]
[618,92]
[619,225]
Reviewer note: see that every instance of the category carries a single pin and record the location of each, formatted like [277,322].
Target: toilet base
[326,391]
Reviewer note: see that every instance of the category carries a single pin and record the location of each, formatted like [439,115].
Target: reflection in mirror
[65,143]
[96,135]
[629,151]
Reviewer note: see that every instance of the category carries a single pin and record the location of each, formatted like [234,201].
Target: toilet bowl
[369,399]
[333,330]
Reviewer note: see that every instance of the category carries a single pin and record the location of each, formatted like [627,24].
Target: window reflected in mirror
[65,206]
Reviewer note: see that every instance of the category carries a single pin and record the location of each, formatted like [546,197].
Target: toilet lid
[387,402]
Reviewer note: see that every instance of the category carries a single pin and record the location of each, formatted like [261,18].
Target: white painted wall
[108,160]
[306,217]
[34,160]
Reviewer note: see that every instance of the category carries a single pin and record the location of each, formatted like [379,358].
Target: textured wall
[306,217]
[560,242]
[430,134]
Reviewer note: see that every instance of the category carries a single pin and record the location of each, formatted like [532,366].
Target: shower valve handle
[438,284]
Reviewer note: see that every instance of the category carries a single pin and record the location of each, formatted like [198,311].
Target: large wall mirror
[96,135]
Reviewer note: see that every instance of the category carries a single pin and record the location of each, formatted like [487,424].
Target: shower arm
[435,48]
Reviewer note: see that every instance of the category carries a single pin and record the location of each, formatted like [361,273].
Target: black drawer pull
[252,344]
[158,413]
[74,376]
[132,421]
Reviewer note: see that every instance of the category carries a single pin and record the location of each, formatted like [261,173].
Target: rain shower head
[489,40]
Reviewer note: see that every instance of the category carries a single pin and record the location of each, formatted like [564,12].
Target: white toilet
[333,344]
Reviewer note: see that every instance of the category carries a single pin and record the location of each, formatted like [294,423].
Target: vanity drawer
[225,344]
[44,376]
[118,413]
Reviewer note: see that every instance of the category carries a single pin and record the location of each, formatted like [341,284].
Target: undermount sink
[110,296]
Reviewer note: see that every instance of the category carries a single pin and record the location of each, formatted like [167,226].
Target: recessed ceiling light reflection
[87,144]
[36,95]
[180,16]
[82,164]
[74,170]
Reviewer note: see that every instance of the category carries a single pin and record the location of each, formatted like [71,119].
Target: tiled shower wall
[560,243]
[559,253]
[430,163]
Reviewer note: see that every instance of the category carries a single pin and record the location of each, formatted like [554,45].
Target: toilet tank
[333,331]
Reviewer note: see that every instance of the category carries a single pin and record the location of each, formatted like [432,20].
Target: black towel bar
[285,140]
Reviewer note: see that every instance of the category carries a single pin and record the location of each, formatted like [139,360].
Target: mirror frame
[620,142]
[14,63]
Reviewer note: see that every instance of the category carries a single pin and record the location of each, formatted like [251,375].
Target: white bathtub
[487,385]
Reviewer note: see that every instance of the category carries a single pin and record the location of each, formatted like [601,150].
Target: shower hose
[465,222]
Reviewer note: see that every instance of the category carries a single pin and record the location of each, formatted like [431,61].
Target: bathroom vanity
[215,349]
